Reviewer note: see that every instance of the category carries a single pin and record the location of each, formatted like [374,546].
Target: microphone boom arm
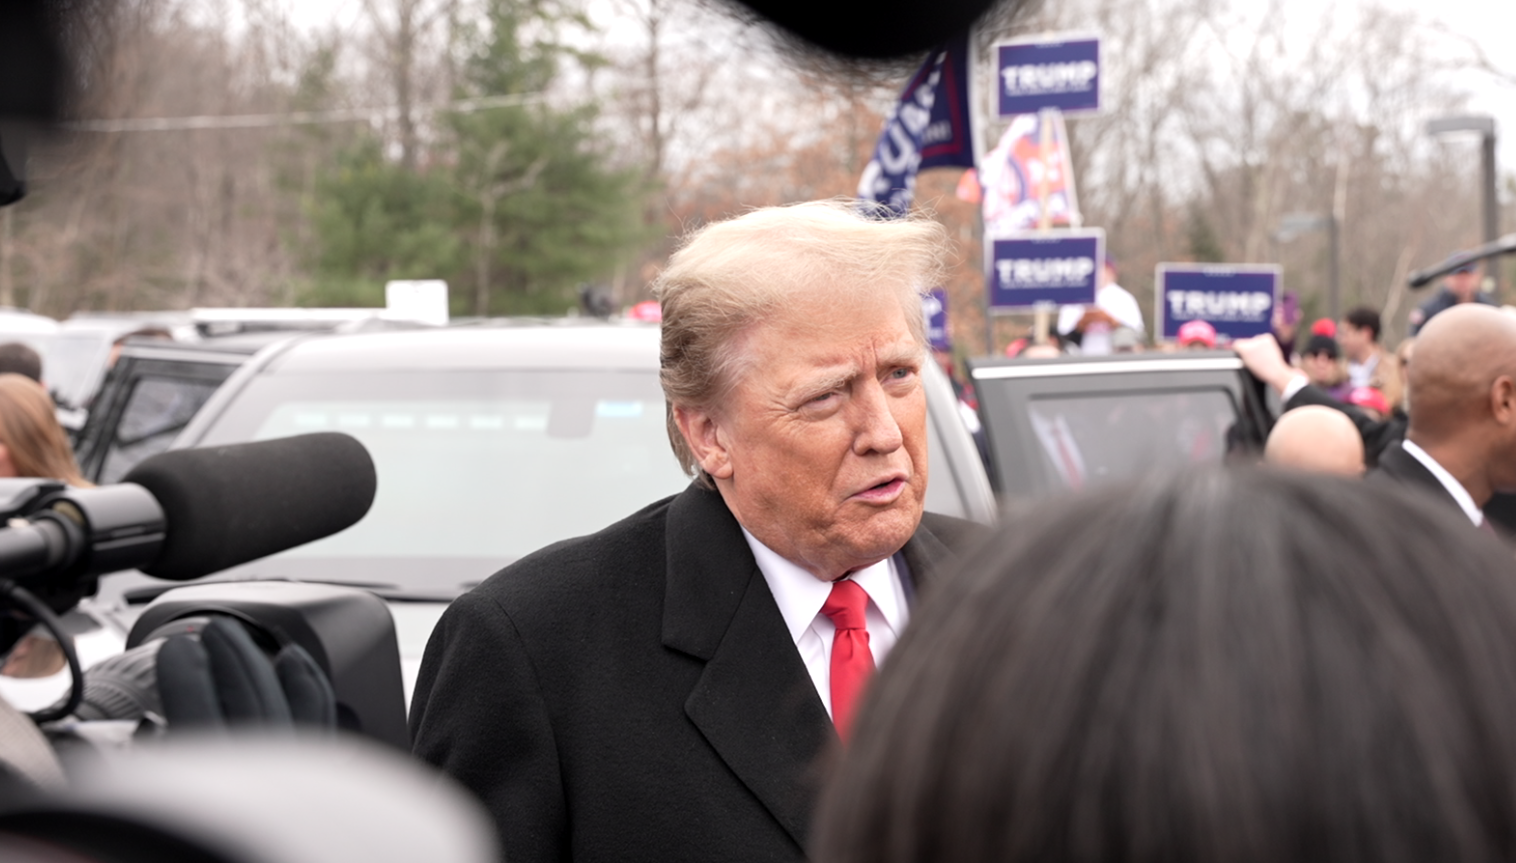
[1504,246]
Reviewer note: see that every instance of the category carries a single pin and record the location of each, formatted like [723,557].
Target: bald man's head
[1462,387]
[1459,356]
[1318,439]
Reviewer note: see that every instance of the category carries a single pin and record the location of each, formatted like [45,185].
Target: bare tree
[403,29]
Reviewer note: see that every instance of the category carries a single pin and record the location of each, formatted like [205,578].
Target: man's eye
[821,398]
[899,374]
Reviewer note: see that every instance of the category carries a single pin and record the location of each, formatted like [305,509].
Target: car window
[1093,438]
[157,409]
[487,465]
[73,365]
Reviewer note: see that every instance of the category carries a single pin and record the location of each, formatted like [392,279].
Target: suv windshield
[476,468]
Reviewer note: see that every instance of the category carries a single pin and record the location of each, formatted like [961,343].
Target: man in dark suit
[662,690]
[1265,359]
[1378,435]
[1459,441]
[1317,439]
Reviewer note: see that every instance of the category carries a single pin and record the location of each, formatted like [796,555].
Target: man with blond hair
[661,690]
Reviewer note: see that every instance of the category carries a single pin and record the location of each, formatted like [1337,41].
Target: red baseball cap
[647,310]
[1368,397]
[1197,331]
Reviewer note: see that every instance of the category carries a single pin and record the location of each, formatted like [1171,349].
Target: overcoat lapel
[924,554]
[754,703]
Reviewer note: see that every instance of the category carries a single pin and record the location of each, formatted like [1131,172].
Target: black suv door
[1079,422]
[146,400]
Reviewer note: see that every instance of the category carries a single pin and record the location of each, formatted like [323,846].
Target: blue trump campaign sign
[1057,268]
[1060,70]
[1237,299]
[934,310]
[929,128]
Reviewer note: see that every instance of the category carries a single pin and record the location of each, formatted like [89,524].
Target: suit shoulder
[958,534]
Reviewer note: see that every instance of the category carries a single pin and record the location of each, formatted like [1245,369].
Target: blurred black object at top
[32,80]
[12,181]
[873,29]
[32,58]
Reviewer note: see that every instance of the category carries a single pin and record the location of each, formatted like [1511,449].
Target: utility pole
[1484,126]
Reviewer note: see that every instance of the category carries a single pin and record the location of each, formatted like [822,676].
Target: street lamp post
[1294,225]
[1484,126]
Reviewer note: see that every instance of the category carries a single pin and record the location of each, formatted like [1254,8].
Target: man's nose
[875,427]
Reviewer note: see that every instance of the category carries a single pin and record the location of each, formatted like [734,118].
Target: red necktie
[852,662]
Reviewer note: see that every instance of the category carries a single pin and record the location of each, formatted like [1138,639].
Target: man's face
[1354,340]
[1463,285]
[1107,275]
[820,447]
[1320,368]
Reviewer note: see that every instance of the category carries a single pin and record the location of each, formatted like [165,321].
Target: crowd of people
[1437,422]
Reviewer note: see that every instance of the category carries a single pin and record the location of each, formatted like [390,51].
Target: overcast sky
[1492,25]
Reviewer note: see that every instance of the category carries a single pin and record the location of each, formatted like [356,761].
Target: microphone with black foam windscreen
[182,514]
[226,505]
[179,515]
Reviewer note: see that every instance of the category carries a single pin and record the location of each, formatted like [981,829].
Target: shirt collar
[800,595]
[1449,482]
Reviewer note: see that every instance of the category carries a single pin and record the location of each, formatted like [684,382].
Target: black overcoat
[635,694]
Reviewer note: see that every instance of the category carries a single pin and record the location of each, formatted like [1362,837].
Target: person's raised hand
[1261,356]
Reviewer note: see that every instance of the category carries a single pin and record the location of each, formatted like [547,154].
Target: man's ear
[706,438]
[1503,400]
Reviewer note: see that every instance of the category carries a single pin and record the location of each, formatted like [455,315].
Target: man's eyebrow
[829,379]
[901,356]
[836,377]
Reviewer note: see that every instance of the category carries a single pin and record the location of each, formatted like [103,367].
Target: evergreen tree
[516,206]
[374,221]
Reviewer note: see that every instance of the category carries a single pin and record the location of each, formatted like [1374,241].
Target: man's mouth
[883,492]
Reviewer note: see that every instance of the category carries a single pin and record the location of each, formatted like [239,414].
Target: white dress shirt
[800,596]
[1362,374]
[1449,482]
[1293,388]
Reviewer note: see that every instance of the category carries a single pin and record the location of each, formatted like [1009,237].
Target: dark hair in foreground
[1226,666]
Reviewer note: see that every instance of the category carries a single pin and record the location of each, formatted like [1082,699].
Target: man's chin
[886,531]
